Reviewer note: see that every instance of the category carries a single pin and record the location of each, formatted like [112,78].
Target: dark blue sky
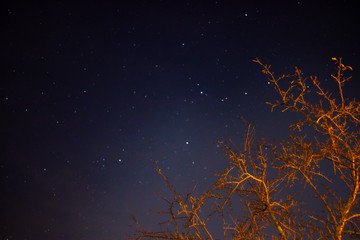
[93,94]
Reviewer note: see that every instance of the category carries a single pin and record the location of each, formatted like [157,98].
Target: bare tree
[261,178]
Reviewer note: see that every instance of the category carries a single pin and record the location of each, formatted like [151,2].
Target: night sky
[93,94]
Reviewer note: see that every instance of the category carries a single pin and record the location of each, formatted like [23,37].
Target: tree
[260,179]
